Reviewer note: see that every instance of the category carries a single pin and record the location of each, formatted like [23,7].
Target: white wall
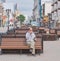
[48,8]
[59,15]
[53,16]
[35,3]
[55,6]
[58,4]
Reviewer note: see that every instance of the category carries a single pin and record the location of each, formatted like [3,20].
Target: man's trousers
[31,44]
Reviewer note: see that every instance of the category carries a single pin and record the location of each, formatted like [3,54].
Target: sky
[25,6]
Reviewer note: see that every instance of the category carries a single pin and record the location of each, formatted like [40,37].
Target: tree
[21,18]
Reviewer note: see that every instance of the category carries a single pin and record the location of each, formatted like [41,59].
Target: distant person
[30,39]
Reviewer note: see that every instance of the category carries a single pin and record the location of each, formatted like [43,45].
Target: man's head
[30,30]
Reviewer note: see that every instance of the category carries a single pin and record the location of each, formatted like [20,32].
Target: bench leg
[20,51]
[0,39]
[0,51]
[38,51]
[41,51]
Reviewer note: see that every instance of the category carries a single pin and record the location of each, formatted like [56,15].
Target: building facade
[1,13]
[46,8]
[2,1]
[37,10]
[46,13]
[56,12]
[15,7]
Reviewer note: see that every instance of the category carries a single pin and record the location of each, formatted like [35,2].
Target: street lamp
[8,12]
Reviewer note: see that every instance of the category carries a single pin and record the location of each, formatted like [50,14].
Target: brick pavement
[51,53]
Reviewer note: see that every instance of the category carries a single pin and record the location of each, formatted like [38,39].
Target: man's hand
[35,39]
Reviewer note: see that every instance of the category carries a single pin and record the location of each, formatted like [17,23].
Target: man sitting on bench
[30,39]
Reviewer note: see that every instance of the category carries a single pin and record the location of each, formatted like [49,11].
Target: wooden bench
[19,43]
[8,36]
[24,27]
[35,28]
[52,31]
[49,37]
[41,30]
[11,31]
[20,31]
[58,32]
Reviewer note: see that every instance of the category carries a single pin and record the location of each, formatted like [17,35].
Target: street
[17,16]
[51,53]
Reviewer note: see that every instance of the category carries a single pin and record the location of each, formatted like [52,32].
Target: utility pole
[8,12]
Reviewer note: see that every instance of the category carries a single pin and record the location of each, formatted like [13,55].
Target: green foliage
[21,18]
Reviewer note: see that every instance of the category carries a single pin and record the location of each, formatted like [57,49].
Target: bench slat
[18,47]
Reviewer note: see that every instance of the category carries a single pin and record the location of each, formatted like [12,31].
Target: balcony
[56,17]
[52,9]
[59,13]
[54,2]
[58,4]
[53,18]
[55,7]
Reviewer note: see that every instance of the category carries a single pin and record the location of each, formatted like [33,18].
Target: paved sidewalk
[51,53]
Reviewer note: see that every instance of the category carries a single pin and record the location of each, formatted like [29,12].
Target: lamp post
[1,14]
[8,12]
